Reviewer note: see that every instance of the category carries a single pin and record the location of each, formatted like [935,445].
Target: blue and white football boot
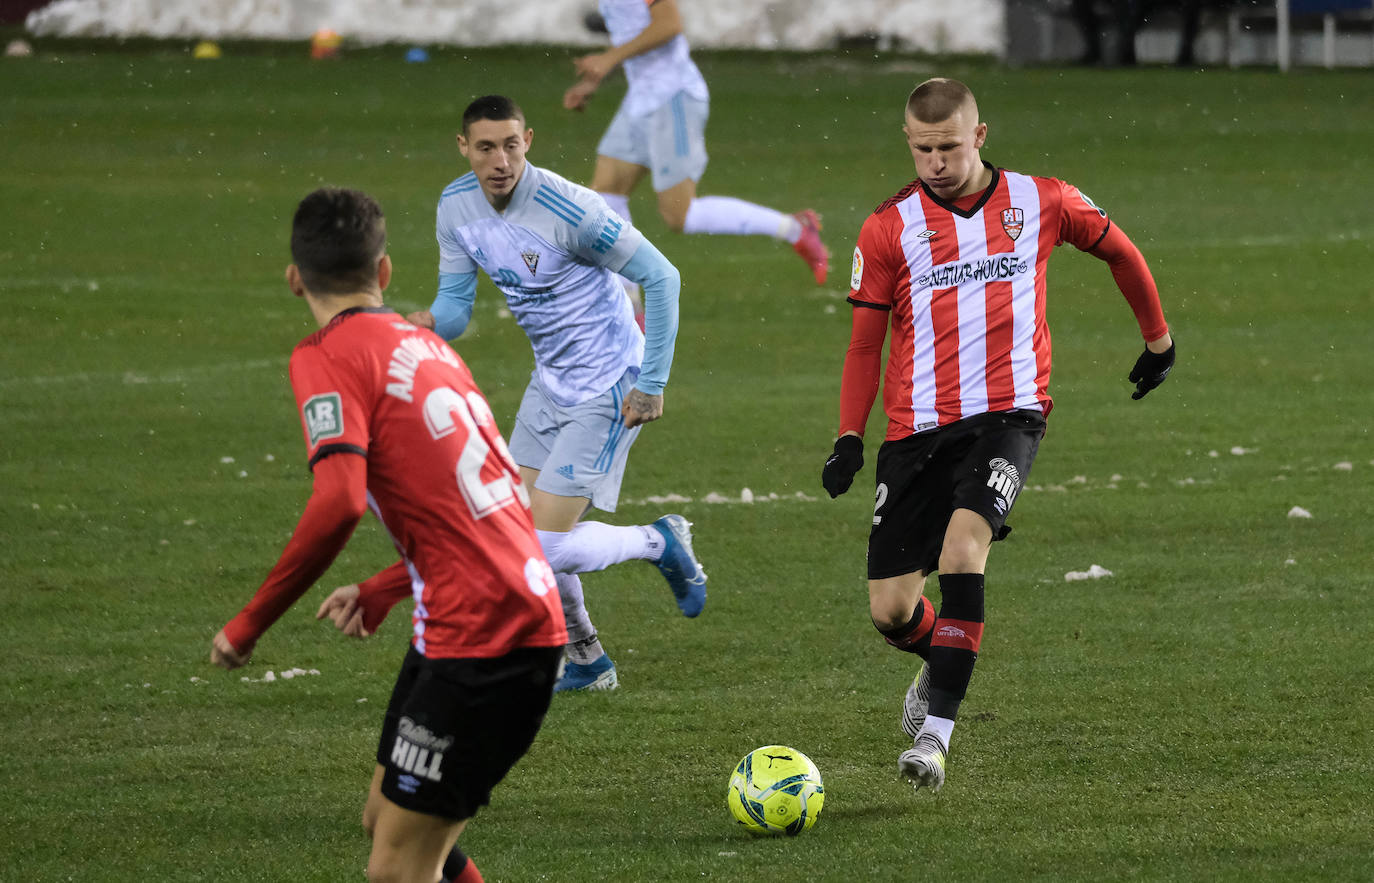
[599,674]
[679,565]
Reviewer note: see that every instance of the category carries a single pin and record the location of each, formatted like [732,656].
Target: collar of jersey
[977,206]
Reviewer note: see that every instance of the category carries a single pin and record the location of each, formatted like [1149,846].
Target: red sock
[914,636]
[458,868]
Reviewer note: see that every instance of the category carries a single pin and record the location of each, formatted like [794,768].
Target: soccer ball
[775,790]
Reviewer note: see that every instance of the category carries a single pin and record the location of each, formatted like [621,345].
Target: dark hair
[337,237]
[938,99]
[492,107]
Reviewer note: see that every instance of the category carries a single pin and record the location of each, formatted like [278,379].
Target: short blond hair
[938,99]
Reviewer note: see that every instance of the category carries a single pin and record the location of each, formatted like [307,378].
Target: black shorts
[455,727]
[980,463]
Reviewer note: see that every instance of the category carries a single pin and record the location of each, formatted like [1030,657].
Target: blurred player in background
[553,249]
[957,260]
[394,421]
[660,130]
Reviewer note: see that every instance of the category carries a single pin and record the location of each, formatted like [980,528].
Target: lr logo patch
[323,417]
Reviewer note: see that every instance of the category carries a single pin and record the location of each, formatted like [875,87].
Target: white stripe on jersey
[1025,195]
[916,251]
[972,296]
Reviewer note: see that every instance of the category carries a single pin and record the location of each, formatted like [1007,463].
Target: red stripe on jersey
[944,311]
[1051,212]
[958,633]
[997,297]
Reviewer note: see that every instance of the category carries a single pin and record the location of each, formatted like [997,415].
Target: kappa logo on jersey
[531,260]
[323,417]
[1005,479]
[418,751]
[856,275]
[1013,221]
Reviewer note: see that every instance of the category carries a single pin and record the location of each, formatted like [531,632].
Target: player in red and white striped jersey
[393,421]
[956,264]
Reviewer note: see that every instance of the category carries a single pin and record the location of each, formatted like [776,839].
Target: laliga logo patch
[856,274]
[1013,221]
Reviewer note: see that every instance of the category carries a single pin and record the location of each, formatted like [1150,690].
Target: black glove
[847,459]
[1150,370]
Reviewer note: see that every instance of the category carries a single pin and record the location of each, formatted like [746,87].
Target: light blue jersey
[553,253]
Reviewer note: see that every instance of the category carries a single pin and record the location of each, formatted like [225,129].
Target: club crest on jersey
[1013,221]
[531,260]
[323,417]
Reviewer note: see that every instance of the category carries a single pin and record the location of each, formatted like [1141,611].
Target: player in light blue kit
[660,130]
[554,248]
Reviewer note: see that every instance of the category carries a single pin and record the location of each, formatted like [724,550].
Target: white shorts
[670,142]
[579,451]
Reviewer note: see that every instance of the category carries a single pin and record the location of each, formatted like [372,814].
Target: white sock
[942,727]
[592,545]
[735,217]
[621,206]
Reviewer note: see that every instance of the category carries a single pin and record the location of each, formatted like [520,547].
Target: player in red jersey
[956,263]
[393,421]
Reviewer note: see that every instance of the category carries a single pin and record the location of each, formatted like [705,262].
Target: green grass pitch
[1203,714]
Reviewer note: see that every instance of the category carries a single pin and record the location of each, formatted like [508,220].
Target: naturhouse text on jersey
[998,268]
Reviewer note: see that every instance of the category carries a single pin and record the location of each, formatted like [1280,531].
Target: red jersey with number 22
[967,293]
[439,478]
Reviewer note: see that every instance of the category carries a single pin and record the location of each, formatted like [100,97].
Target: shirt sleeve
[452,307]
[662,284]
[602,237]
[862,369]
[337,502]
[1133,277]
[453,257]
[873,276]
[380,592]
[334,410]
[1081,223]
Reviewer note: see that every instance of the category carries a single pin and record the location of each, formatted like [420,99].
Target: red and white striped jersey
[966,288]
[439,478]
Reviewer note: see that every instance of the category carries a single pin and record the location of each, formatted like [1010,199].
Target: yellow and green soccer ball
[776,790]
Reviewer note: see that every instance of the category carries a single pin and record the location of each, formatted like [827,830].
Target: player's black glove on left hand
[847,459]
[1150,370]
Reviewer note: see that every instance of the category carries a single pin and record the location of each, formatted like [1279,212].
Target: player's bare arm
[579,94]
[665,23]
[422,318]
[640,407]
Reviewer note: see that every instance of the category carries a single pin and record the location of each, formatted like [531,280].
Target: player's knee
[384,868]
[888,612]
